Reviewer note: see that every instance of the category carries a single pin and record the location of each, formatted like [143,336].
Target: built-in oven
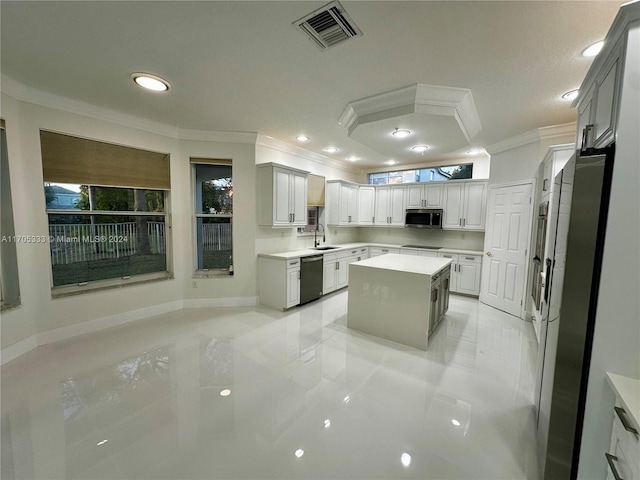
[538,255]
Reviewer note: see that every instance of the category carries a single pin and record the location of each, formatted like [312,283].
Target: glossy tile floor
[257,394]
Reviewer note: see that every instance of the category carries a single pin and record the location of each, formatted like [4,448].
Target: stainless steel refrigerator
[577,223]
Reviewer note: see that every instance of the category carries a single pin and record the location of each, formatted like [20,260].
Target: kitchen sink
[324,248]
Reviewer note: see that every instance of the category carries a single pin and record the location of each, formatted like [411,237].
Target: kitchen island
[398,297]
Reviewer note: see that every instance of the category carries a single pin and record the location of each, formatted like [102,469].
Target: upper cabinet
[424,196]
[464,205]
[600,104]
[366,204]
[390,206]
[342,203]
[282,196]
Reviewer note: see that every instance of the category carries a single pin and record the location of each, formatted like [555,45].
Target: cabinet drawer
[452,256]
[408,251]
[626,441]
[293,263]
[470,258]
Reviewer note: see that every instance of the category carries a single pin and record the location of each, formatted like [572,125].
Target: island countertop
[406,263]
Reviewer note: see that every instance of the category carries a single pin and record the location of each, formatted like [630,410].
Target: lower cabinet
[623,457]
[335,271]
[279,282]
[465,273]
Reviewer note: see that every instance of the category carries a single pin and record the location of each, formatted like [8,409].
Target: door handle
[489,254]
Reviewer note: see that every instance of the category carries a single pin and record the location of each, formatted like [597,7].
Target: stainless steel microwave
[423,218]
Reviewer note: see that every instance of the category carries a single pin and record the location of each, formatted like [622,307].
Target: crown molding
[23,93]
[279,145]
[532,136]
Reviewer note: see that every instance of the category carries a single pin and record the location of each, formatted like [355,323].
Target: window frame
[388,172]
[205,272]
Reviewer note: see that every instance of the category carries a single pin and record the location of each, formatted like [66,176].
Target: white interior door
[506,242]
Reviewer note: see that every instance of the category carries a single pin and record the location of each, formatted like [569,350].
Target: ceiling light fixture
[151,82]
[299,452]
[353,158]
[593,50]
[401,133]
[455,422]
[327,423]
[390,162]
[302,138]
[475,151]
[570,95]
[405,458]
[331,149]
[225,393]
[420,148]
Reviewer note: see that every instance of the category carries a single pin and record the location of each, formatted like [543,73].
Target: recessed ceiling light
[225,393]
[299,452]
[419,148]
[390,162]
[475,151]
[302,138]
[331,149]
[405,458]
[401,133]
[327,423]
[455,422]
[570,95]
[346,399]
[353,158]
[593,50]
[151,82]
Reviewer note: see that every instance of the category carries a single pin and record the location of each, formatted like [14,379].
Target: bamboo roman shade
[211,161]
[315,190]
[67,159]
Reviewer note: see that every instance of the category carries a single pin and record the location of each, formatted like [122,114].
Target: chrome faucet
[324,238]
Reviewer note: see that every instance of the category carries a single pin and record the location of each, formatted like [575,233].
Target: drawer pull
[622,415]
[612,466]
[469,258]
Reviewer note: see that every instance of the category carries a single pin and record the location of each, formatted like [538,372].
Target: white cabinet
[341,203]
[623,456]
[357,254]
[366,204]
[335,271]
[279,282]
[389,206]
[282,196]
[293,283]
[599,105]
[465,273]
[464,205]
[425,196]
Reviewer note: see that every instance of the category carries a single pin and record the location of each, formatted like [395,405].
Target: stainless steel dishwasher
[310,278]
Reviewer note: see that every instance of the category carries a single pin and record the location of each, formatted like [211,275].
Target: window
[433,174]
[9,283]
[213,219]
[106,210]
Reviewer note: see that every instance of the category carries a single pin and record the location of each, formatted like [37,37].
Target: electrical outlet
[194,284]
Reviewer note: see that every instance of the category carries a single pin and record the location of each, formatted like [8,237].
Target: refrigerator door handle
[547,280]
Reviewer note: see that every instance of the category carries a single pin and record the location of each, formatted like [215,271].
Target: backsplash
[464,240]
[274,240]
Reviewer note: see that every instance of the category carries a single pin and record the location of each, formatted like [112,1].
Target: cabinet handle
[622,415]
[460,222]
[464,222]
[612,466]
[469,258]
[337,266]
[298,274]
[373,219]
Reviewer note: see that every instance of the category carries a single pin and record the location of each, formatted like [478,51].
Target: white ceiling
[242,66]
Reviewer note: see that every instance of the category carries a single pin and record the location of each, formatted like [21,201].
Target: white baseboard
[17,349]
[220,302]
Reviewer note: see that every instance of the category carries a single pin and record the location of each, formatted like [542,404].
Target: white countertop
[305,252]
[405,263]
[628,391]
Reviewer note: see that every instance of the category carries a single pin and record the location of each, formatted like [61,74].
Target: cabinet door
[382,205]
[396,206]
[433,196]
[414,196]
[298,204]
[281,197]
[342,272]
[605,106]
[475,203]
[366,205]
[453,276]
[329,277]
[293,287]
[352,204]
[453,206]
[469,278]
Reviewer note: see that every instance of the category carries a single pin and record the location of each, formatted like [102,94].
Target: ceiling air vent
[329,25]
